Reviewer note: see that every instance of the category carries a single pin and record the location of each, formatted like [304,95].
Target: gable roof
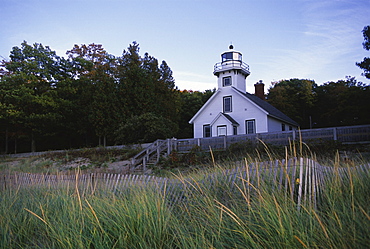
[204,106]
[271,110]
[228,117]
[233,122]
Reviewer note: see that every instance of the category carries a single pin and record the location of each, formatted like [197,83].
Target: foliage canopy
[365,64]
[64,103]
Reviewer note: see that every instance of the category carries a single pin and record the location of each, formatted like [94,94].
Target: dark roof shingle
[272,111]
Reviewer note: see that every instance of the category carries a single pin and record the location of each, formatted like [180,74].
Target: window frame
[230,109]
[207,132]
[228,56]
[283,127]
[253,121]
[229,81]
[218,130]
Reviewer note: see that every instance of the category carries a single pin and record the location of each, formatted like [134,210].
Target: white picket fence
[302,179]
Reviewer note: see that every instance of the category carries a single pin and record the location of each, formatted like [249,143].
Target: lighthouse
[231,111]
[232,71]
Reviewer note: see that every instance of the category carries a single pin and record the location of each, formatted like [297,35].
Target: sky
[319,40]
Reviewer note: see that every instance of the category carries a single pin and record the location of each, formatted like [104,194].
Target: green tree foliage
[345,102]
[190,102]
[146,127]
[94,72]
[295,98]
[68,102]
[29,84]
[145,87]
[365,64]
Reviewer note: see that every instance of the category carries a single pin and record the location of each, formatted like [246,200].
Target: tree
[134,90]
[365,64]
[146,127]
[94,71]
[191,102]
[10,113]
[89,94]
[144,87]
[29,86]
[345,102]
[295,98]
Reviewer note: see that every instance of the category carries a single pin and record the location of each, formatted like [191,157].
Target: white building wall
[242,110]
[237,79]
[222,122]
[274,124]
[207,115]
[198,130]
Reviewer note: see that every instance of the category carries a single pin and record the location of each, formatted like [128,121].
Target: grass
[216,215]
[54,162]
[323,151]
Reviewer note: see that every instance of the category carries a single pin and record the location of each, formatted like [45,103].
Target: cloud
[329,36]
[194,81]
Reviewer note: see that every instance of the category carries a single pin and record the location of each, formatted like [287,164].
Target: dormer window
[226,81]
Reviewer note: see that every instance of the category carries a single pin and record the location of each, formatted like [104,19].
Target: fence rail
[302,179]
[345,134]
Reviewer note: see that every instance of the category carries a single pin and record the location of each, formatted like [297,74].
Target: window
[282,127]
[227,104]
[250,127]
[221,130]
[227,56]
[290,127]
[235,130]
[226,81]
[206,131]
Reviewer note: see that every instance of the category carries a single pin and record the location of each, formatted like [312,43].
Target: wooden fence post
[144,163]
[300,183]
[169,146]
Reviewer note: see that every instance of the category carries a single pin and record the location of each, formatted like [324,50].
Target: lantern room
[231,71]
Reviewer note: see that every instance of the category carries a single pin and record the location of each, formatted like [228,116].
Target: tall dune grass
[213,214]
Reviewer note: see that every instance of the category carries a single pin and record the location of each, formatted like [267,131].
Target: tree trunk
[6,140]
[33,144]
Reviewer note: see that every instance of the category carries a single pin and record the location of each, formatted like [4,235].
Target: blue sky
[279,39]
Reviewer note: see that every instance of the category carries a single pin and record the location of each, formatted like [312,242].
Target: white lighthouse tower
[231,110]
[231,71]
